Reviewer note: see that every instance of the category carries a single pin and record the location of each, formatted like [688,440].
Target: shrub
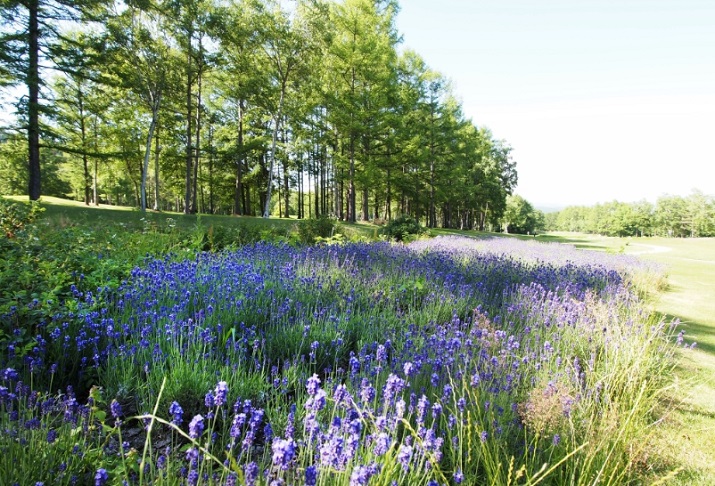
[311,229]
[401,228]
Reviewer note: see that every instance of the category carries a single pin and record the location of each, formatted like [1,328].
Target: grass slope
[65,211]
[686,439]
[688,436]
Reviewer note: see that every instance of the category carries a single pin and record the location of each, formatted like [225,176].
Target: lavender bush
[445,361]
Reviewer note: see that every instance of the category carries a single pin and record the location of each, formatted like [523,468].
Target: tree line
[248,107]
[676,216]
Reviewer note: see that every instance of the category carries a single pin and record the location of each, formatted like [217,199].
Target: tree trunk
[83,138]
[147,154]
[156,170]
[189,134]
[211,170]
[238,199]
[365,205]
[388,197]
[286,188]
[33,86]
[197,149]
[276,127]
[94,177]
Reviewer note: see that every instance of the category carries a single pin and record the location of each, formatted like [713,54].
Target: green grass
[686,439]
[64,211]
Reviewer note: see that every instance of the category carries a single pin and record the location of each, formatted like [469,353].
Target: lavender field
[446,361]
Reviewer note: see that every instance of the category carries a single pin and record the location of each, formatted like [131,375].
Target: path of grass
[686,438]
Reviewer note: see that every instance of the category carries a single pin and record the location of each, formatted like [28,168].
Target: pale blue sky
[600,99]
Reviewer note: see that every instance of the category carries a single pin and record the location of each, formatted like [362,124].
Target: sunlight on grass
[686,438]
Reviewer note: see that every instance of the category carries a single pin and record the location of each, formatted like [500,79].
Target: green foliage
[520,216]
[310,230]
[220,237]
[676,216]
[402,228]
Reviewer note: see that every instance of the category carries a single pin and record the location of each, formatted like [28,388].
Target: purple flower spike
[116,409]
[220,393]
[100,479]
[361,475]
[250,473]
[196,427]
[311,476]
[177,413]
[312,385]
[458,476]
[210,399]
[283,453]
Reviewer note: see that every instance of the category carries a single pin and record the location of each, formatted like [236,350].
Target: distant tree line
[249,107]
[676,216]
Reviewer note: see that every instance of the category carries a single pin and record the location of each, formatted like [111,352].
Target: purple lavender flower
[210,399]
[382,444]
[192,455]
[407,368]
[312,385]
[237,425]
[196,427]
[193,478]
[316,402]
[381,354]
[367,392]
[436,410]
[101,477]
[458,476]
[394,385]
[177,413]
[9,374]
[250,473]
[354,366]
[404,456]
[311,476]
[331,451]
[361,475]
[116,409]
[221,392]
[232,479]
[283,452]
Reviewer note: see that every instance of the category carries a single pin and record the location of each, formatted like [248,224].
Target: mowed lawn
[686,438]
[689,435]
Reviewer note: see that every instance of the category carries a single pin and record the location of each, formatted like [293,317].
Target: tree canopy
[250,107]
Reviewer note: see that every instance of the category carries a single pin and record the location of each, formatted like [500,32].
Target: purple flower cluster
[375,351]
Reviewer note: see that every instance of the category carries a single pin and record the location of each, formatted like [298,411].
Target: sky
[600,100]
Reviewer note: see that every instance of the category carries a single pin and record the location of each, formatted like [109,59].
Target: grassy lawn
[689,435]
[687,438]
[64,211]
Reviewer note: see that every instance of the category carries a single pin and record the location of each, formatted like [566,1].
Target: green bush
[309,230]
[402,228]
